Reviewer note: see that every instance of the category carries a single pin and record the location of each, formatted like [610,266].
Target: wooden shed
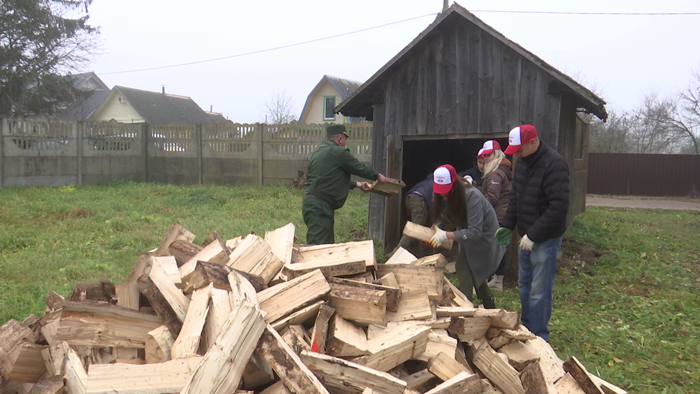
[457,84]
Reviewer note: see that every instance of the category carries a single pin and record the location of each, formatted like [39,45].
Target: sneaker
[496,283]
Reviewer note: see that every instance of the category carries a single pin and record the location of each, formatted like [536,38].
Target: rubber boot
[488,303]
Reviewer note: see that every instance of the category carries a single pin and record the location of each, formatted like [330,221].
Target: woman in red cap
[458,203]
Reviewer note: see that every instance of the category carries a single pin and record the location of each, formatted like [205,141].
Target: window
[579,139]
[328,107]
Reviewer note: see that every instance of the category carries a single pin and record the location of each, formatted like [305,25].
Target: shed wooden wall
[458,80]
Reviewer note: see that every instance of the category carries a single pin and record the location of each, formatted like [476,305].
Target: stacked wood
[254,315]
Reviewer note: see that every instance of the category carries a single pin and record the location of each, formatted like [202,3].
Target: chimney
[445,5]
[163,89]
[211,108]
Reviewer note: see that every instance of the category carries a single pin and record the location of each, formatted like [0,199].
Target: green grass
[632,316]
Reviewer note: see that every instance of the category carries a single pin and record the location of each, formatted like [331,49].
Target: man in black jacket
[539,202]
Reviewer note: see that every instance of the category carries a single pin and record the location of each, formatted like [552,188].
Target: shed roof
[162,108]
[361,101]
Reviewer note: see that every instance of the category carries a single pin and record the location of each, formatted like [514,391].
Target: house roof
[216,117]
[162,108]
[361,101]
[83,109]
[345,88]
[78,79]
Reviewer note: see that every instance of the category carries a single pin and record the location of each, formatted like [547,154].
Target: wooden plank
[416,278]
[166,377]
[176,232]
[445,367]
[423,234]
[287,365]
[349,251]
[346,339]
[534,380]
[281,241]
[24,363]
[401,256]
[414,305]
[395,346]
[222,367]
[363,306]
[282,299]
[341,376]
[319,332]
[187,342]
[104,325]
[581,375]
[255,256]
[158,345]
[393,294]
[392,187]
[497,370]
[332,269]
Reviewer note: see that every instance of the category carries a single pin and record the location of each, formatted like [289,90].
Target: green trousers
[319,218]
[466,281]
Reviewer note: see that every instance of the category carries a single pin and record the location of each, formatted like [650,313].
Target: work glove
[526,243]
[469,179]
[503,236]
[438,238]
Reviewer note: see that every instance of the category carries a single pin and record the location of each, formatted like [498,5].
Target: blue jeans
[537,269]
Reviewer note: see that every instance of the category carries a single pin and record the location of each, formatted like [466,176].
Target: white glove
[469,179]
[438,238]
[526,243]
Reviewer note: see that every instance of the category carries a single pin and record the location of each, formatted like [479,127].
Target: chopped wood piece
[521,353]
[395,346]
[401,256]
[500,318]
[169,265]
[423,233]
[104,325]
[463,383]
[390,188]
[300,316]
[468,329]
[96,291]
[281,242]
[393,294]
[330,253]
[328,269]
[414,305]
[47,385]
[128,296]
[534,380]
[498,371]
[437,260]
[215,237]
[222,367]
[166,377]
[174,296]
[49,325]
[445,367]
[346,339]
[215,252]
[159,304]
[63,360]
[450,311]
[363,306]
[295,336]
[219,309]
[280,300]
[439,341]
[255,256]
[416,278]
[24,364]
[607,387]
[421,381]
[388,280]
[287,364]
[568,385]
[176,232]
[319,333]
[54,301]
[579,372]
[257,373]
[187,341]
[276,388]
[183,251]
[459,298]
[343,376]
[13,334]
[205,273]
[158,345]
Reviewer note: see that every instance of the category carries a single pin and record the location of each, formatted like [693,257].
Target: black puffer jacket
[539,200]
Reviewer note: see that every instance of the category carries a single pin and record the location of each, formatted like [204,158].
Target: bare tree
[280,108]
[609,136]
[686,117]
[651,129]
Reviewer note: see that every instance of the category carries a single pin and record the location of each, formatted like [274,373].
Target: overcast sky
[621,57]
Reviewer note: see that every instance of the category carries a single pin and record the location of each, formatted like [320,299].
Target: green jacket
[329,173]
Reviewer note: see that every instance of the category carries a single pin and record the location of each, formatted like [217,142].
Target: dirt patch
[577,257]
[79,213]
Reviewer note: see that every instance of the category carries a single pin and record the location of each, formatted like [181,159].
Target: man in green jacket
[328,183]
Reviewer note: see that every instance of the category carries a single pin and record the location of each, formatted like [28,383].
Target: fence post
[3,126]
[198,137]
[261,129]
[79,133]
[144,150]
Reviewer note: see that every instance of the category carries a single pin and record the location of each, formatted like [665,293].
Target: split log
[468,329]
[500,318]
[215,252]
[462,383]
[498,371]
[49,325]
[330,253]
[166,377]
[257,373]
[363,306]
[54,301]
[389,188]
[393,294]
[281,242]
[568,385]
[522,353]
[414,305]
[319,332]
[401,256]
[534,380]
[439,341]
[395,346]
[169,265]
[141,267]
[346,339]
[296,337]
[343,376]
[300,316]
[607,387]
[24,363]
[282,299]
[47,385]
[219,309]
[104,325]
[388,280]
[277,388]
[287,364]
[159,344]
[255,256]
[159,304]
[329,270]
[103,290]
[423,233]
[414,278]
[421,381]
[446,367]
[436,259]
[183,251]
[215,237]
[127,297]
[582,377]
[460,299]
[187,342]
[174,296]
[12,334]
[454,311]
[176,232]
[63,360]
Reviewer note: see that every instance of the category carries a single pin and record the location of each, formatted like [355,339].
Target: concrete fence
[55,153]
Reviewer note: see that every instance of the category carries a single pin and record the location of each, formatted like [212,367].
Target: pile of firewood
[263,315]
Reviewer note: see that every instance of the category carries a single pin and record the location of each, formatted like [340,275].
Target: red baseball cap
[443,179]
[519,136]
[481,153]
[490,146]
